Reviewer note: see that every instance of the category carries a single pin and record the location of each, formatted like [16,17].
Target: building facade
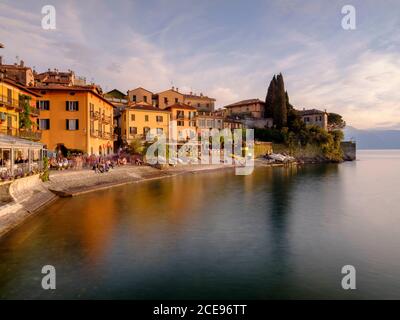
[15,99]
[77,117]
[183,119]
[139,120]
[314,117]
[208,120]
[251,108]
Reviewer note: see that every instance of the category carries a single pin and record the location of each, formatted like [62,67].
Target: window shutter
[66,106]
[37,104]
[77,106]
[77,124]
[48,124]
[38,124]
[67,123]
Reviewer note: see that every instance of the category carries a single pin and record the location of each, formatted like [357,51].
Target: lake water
[278,233]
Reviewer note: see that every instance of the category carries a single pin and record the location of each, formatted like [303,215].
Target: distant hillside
[373,138]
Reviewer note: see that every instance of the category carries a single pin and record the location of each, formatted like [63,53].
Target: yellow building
[252,108]
[200,102]
[77,117]
[13,97]
[169,97]
[141,118]
[140,94]
[184,117]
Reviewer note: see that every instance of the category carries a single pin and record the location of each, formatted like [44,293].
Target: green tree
[136,146]
[335,121]
[24,117]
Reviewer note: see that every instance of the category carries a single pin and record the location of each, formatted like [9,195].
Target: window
[43,104]
[145,130]
[176,100]
[134,98]
[180,123]
[192,114]
[160,131]
[180,114]
[192,123]
[198,105]
[132,130]
[159,118]
[72,124]
[9,96]
[145,98]
[72,105]
[165,100]
[132,117]
[146,118]
[44,124]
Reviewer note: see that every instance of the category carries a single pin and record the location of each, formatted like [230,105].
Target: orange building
[140,119]
[184,117]
[14,101]
[77,117]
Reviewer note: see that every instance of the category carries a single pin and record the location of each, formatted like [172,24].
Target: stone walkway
[70,183]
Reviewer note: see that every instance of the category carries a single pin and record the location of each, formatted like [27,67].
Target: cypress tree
[277,102]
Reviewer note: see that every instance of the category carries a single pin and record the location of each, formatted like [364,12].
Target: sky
[227,49]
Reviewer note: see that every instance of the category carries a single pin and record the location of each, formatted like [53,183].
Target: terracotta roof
[90,89]
[142,89]
[309,112]
[180,106]
[198,97]
[21,87]
[244,102]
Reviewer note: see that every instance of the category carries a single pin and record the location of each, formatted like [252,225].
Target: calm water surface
[279,233]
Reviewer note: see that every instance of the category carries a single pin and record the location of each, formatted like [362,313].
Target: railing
[95,115]
[21,133]
[106,119]
[30,135]
[101,134]
[9,102]
[35,111]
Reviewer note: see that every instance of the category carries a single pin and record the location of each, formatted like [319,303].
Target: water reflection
[279,233]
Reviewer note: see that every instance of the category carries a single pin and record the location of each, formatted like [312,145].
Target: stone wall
[27,196]
[349,149]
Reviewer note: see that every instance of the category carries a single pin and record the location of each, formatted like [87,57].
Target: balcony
[21,133]
[106,119]
[35,112]
[8,102]
[95,115]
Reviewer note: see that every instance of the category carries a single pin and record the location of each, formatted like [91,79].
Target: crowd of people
[99,164]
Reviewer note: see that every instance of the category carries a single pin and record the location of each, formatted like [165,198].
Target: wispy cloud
[225,49]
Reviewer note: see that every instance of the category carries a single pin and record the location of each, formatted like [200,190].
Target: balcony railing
[101,134]
[95,115]
[106,119]
[35,112]
[21,133]
[8,102]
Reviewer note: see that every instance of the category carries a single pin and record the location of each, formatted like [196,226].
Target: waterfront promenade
[24,197]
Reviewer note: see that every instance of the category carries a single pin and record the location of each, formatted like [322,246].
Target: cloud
[200,48]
